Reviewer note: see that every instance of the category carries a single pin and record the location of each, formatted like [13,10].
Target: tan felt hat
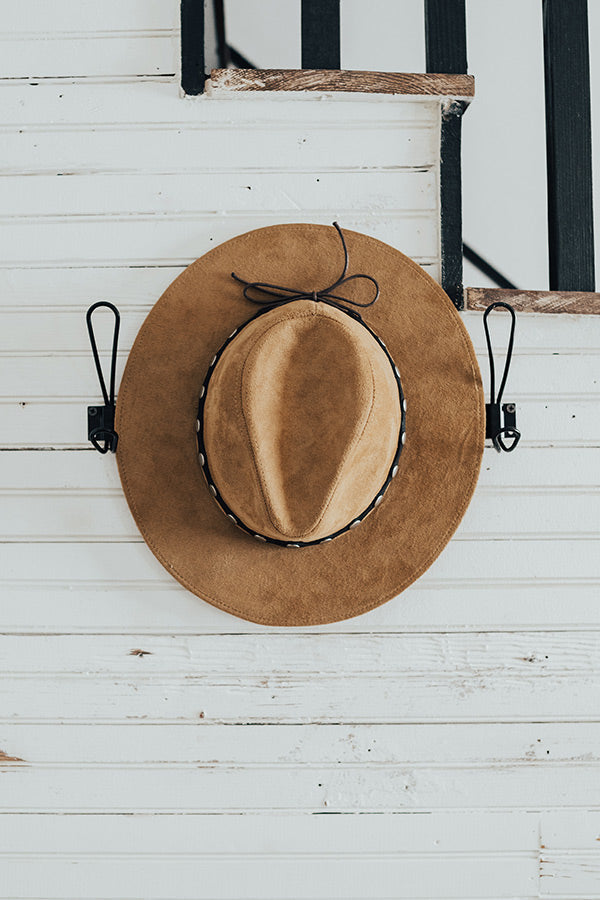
[307,462]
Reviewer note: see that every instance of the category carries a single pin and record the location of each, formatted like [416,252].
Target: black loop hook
[500,422]
[510,433]
[108,435]
[101,419]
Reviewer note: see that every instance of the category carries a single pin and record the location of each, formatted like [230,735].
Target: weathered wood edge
[575,302]
[462,86]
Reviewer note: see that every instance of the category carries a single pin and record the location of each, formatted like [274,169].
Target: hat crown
[301,421]
[307,392]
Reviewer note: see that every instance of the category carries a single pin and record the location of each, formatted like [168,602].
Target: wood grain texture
[304,657]
[342,80]
[387,679]
[573,302]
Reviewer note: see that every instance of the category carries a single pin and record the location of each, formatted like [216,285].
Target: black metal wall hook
[101,419]
[500,421]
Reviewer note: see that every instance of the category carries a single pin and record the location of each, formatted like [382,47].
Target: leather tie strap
[101,419]
[276,295]
[500,422]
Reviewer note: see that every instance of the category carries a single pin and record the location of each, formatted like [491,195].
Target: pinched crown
[301,423]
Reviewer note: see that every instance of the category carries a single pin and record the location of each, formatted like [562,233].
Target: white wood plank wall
[152,746]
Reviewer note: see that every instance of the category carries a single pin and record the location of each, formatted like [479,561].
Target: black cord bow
[282,294]
[101,419]
[495,429]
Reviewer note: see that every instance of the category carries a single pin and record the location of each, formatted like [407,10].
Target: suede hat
[305,463]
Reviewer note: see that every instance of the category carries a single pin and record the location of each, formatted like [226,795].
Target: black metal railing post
[568,145]
[321,34]
[446,52]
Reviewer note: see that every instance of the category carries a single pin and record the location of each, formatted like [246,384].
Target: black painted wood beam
[445,36]
[203,42]
[568,145]
[321,34]
[446,52]
[451,203]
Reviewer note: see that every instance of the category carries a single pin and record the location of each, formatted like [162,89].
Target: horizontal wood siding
[124,39]
[442,746]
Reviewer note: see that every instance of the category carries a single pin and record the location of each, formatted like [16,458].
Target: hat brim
[157,454]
